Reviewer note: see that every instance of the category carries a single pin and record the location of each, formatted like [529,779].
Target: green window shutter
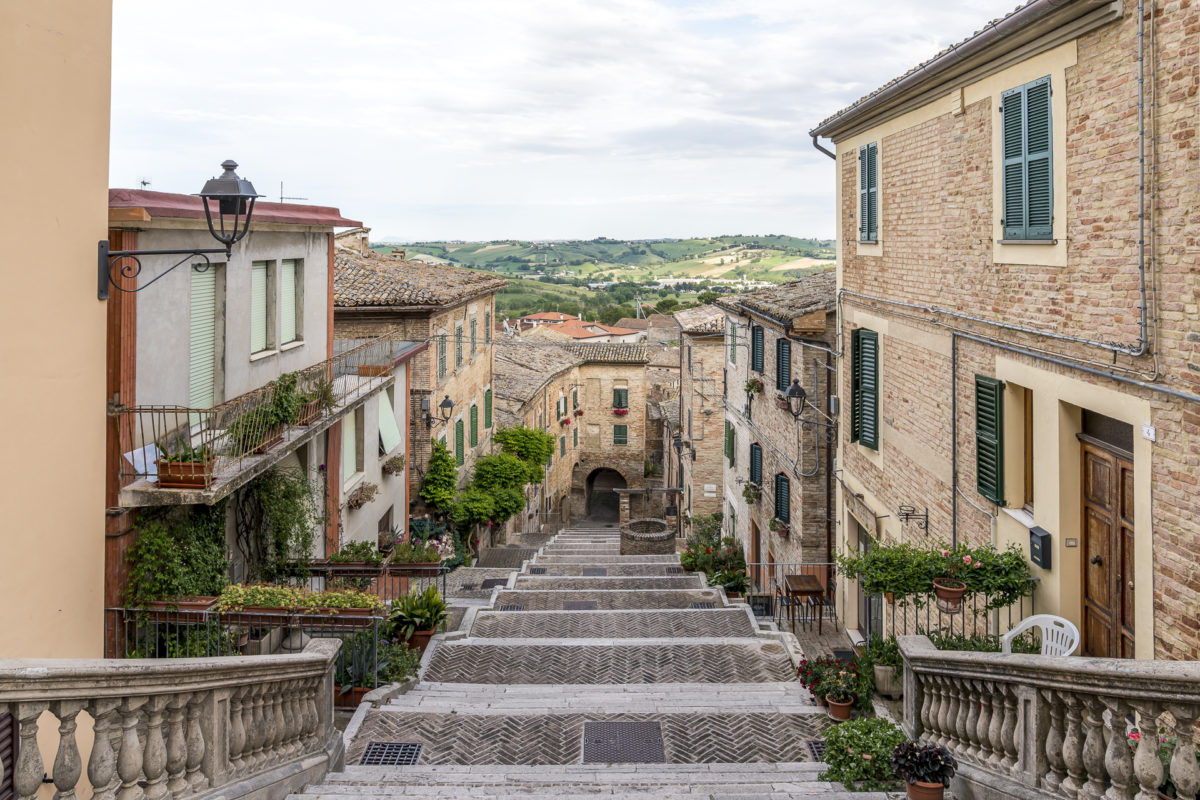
[287,301]
[864,215]
[783,499]
[474,425]
[562,445]
[989,438]
[729,441]
[349,448]
[733,343]
[441,355]
[258,306]
[783,364]
[460,455]
[474,336]
[756,348]
[864,390]
[389,429]
[620,434]
[620,398]
[202,345]
[487,409]
[1039,206]
[458,345]
[868,193]
[1012,132]
[756,463]
[575,435]
[574,398]
[487,326]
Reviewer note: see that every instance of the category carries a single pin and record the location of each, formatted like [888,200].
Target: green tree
[441,481]
[501,471]
[473,507]
[707,297]
[528,444]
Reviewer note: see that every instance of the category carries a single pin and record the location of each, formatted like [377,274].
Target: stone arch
[601,502]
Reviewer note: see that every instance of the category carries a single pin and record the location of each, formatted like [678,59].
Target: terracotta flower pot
[925,791]
[309,412]
[374,370]
[351,699]
[185,474]
[270,439]
[949,594]
[838,710]
[419,640]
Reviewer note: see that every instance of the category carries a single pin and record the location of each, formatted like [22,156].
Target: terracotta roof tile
[185,206]
[702,319]
[378,280]
[613,353]
[816,292]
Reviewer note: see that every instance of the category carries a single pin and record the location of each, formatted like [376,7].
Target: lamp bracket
[909,514]
[107,260]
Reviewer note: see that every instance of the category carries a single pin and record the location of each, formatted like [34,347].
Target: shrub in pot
[415,616]
[840,691]
[925,768]
[859,754]
[886,665]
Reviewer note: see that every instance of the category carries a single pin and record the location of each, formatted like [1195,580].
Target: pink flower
[967,560]
[978,564]
[945,553]
[1137,737]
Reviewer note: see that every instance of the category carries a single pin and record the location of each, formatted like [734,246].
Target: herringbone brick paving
[534,583]
[607,600]
[612,625]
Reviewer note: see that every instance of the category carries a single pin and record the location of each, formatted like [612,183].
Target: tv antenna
[283,197]
[143,182]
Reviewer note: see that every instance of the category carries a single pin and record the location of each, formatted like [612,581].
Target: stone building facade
[701,419]
[1017,277]
[451,309]
[773,337]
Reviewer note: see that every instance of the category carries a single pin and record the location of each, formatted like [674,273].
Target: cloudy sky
[536,119]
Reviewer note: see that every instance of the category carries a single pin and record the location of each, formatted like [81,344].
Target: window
[352,432]
[1028,175]
[574,398]
[689,354]
[474,337]
[460,455]
[458,346]
[385,528]
[260,328]
[487,409]
[620,434]
[487,326]
[868,193]
[620,398]
[756,348]
[290,316]
[730,442]
[756,464]
[783,498]
[783,364]
[389,429]
[575,437]
[989,438]
[733,343]
[441,355]
[1027,409]
[202,350]
[864,388]
[562,445]
[474,425]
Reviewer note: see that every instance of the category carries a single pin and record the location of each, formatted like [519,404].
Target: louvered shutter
[287,301]
[756,348]
[620,398]
[733,343]
[460,456]
[349,448]
[474,426]
[487,327]
[865,388]
[562,445]
[575,435]
[258,306]
[8,755]
[389,429]
[620,434]
[783,364]
[729,442]
[864,213]
[441,355]
[458,346]
[855,389]
[783,500]
[574,398]
[873,192]
[756,464]
[1039,208]
[1012,108]
[202,345]
[989,438]
[474,336]
[487,409]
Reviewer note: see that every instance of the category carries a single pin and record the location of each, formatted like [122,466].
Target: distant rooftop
[702,319]
[141,205]
[375,280]
[786,301]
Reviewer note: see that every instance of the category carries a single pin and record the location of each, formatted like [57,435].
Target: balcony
[187,456]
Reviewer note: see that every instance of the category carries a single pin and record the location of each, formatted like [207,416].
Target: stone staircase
[591,673]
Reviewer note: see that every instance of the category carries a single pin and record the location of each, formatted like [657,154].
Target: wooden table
[802,586]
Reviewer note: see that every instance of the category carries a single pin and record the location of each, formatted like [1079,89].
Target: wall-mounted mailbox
[1039,547]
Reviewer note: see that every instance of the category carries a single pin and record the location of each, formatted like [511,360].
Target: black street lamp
[445,409]
[234,198]
[796,397]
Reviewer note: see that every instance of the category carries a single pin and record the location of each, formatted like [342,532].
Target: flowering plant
[813,674]
[620,412]
[565,421]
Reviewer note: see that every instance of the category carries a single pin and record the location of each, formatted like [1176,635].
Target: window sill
[868,241]
[292,345]
[261,354]
[1027,241]
[1022,516]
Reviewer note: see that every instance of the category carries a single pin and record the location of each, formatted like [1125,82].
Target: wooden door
[1108,582]
[758,575]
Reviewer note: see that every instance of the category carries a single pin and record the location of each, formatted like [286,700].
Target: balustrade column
[1008,732]
[237,730]
[295,723]
[1118,758]
[1073,748]
[67,764]
[982,724]
[1147,766]
[311,697]
[102,763]
[972,722]
[177,744]
[1093,750]
[129,759]
[961,728]
[949,715]
[1054,741]
[929,703]
[996,728]
[154,762]
[196,779]
[29,770]
[258,727]
[1185,774]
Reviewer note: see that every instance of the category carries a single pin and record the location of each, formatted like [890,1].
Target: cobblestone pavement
[646,582]
[510,557]
[604,600]
[614,625]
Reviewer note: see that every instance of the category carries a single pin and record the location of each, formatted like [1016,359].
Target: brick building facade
[1016,271]
[700,408]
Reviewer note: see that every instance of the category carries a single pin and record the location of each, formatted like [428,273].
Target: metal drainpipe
[1143,338]
[953,440]
[817,145]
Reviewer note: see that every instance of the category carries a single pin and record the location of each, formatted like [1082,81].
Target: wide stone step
[603,600]
[648,582]
[741,661]
[609,569]
[787,697]
[727,622]
[574,559]
[558,739]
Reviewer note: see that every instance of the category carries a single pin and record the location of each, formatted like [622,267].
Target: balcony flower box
[620,412]
[782,403]
[175,474]
[781,528]
[565,421]
[579,412]
[180,610]
[752,492]
[374,370]
[310,412]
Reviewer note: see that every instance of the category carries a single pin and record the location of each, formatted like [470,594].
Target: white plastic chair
[1060,637]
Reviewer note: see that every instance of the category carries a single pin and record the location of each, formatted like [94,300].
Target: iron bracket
[107,259]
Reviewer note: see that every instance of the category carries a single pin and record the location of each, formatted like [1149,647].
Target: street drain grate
[844,655]
[537,570]
[622,743]
[512,607]
[704,605]
[580,605]
[390,754]
[674,570]
[817,748]
[492,583]
[595,572]
[468,587]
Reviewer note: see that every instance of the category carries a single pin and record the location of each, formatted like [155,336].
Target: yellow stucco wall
[55,56]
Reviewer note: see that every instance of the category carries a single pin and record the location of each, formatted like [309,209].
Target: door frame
[1120,551]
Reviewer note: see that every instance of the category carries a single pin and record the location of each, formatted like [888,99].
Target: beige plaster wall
[57,56]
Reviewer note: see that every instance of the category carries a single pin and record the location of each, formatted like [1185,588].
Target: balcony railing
[178,455]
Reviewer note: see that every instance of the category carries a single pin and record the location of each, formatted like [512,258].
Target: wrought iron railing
[767,593]
[978,615]
[385,581]
[181,447]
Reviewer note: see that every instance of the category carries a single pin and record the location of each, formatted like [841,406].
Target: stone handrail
[1032,726]
[171,729]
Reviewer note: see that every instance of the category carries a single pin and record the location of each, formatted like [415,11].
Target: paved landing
[613,625]
[603,600]
[653,582]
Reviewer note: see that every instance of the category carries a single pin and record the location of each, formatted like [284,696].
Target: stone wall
[701,401]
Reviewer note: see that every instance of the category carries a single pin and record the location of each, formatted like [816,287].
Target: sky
[530,119]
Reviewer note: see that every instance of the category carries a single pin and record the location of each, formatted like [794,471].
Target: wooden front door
[759,576]
[1108,583]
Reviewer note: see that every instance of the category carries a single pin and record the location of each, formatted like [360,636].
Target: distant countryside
[603,279]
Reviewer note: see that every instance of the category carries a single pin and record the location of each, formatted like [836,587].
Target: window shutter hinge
[113,409]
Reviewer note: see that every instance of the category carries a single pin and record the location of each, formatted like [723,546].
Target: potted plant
[782,402]
[780,527]
[859,754]
[261,428]
[579,412]
[355,565]
[421,558]
[260,598]
[394,465]
[839,690]
[341,602]
[620,412]
[925,768]
[187,467]
[415,617]
[754,386]
[733,581]
[948,586]
[886,665]
[812,674]
[565,421]
[319,398]
[752,492]
[363,493]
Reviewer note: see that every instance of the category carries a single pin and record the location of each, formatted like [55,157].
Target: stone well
[647,537]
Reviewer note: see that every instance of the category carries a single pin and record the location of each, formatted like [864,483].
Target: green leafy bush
[859,754]
[355,552]
[983,642]
[440,485]
[474,506]
[397,662]
[178,554]
[416,611]
[528,444]
[278,517]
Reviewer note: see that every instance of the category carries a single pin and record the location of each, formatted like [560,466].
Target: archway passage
[603,504]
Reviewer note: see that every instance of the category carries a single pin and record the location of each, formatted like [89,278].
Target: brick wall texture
[702,421]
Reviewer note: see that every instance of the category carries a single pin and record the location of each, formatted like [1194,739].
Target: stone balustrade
[170,729]
[1031,726]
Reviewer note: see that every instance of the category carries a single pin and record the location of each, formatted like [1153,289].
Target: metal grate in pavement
[622,743]
[817,748]
[468,587]
[390,754]
[595,572]
[673,570]
[492,583]
[844,655]
[512,607]
[704,605]
[537,570]
[580,605]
